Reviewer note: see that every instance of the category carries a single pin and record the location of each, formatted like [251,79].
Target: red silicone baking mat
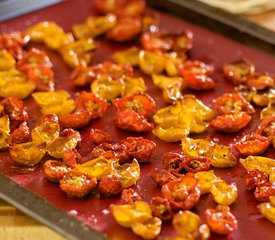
[209,47]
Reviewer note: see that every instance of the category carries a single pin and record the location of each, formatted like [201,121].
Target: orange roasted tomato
[55,170]
[197,164]
[221,220]
[77,184]
[230,122]
[142,103]
[82,76]
[129,196]
[21,134]
[126,29]
[238,71]
[110,185]
[267,128]
[182,194]
[260,81]
[173,162]
[139,148]
[161,208]
[230,103]
[98,136]
[162,176]
[252,144]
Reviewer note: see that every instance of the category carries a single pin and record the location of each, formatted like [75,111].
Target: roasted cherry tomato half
[77,184]
[255,178]
[230,103]
[21,134]
[82,76]
[161,208]
[267,209]
[205,180]
[182,194]
[129,196]
[126,29]
[140,148]
[260,81]
[75,120]
[141,103]
[131,121]
[98,136]
[252,144]
[173,162]
[230,122]
[237,72]
[197,164]
[162,176]
[196,67]
[264,164]
[71,157]
[110,185]
[55,170]
[221,220]
[263,192]
[267,127]
[199,81]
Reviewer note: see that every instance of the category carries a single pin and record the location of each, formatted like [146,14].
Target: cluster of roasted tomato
[112,166]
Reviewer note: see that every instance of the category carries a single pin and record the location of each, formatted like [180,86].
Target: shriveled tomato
[68,139]
[255,178]
[16,111]
[230,122]
[110,185]
[29,153]
[161,208]
[75,120]
[97,167]
[128,173]
[238,71]
[195,67]
[187,224]
[173,162]
[199,82]
[77,184]
[110,151]
[21,134]
[205,180]
[252,144]
[264,164]
[82,76]
[55,170]
[130,120]
[182,194]
[230,103]
[162,176]
[98,136]
[142,103]
[221,220]
[267,127]
[197,164]
[223,193]
[71,157]
[129,196]
[140,148]
[126,29]
[260,81]
[47,129]
[263,192]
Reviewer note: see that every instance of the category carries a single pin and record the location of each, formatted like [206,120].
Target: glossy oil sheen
[93,210]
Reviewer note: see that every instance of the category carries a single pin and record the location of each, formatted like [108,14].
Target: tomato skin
[252,144]
[161,208]
[131,121]
[221,220]
[140,148]
[21,134]
[238,71]
[77,184]
[230,122]
[98,136]
[255,178]
[142,103]
[182,194]
[263,192]
[230,103]
[110,185]
[173,162]
[126,29]
[129,196]
[197,164]
[55,170]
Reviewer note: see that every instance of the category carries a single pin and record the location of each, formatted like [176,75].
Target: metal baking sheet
[89,218]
